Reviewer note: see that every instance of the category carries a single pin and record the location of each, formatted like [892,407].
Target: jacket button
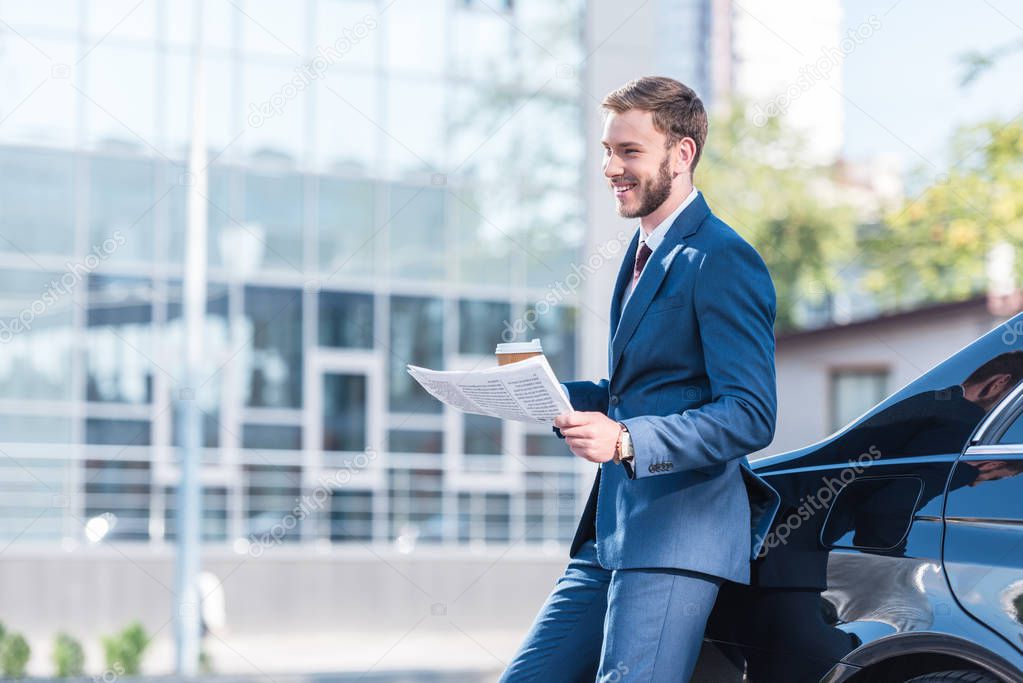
[614,399]
[650,469]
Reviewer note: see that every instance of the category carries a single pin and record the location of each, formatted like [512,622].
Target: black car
[897,552]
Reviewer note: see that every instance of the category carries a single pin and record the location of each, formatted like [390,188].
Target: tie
[642,255]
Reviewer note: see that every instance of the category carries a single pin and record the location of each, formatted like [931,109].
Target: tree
[934,247]
[977,62]
[756,179]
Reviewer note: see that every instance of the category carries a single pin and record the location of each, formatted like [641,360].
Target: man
[674,509]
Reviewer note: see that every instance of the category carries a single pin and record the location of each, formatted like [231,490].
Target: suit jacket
[691,375]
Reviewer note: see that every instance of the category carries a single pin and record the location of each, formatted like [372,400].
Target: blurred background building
[383,190]
[390,182]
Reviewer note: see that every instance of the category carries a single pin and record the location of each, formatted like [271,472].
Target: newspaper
[526,391]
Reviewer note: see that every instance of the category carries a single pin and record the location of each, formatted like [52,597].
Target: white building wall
[788,59]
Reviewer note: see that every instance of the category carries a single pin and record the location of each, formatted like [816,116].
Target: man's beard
[652,193]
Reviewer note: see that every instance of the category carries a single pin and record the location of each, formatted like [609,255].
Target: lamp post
[187,597]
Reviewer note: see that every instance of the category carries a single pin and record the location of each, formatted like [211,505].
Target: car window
[1014,433]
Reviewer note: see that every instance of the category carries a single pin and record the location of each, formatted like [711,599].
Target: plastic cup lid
[520,347]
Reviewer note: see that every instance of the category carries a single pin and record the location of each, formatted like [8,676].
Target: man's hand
[591,435]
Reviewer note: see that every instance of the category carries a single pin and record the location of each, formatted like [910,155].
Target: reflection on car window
[1014,433]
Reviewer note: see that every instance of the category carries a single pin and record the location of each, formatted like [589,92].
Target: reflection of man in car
[989,470]
[993,380]
[932,422]
[941,421]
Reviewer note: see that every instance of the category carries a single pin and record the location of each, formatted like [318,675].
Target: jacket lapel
[624,322]
[624,275]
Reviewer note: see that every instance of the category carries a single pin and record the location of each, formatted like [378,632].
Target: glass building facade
[389,183]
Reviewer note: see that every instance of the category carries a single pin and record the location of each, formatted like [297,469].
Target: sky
[902,86]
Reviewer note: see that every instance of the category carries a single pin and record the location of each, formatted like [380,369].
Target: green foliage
[14,655]
[756,179]
[124,650]
[68,657]
[975,64]
[205,662]
[934,246]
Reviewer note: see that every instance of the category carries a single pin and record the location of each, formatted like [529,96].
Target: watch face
[627,450]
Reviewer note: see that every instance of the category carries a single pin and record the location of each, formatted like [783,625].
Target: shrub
[124,650]
[68,658]
[14,654]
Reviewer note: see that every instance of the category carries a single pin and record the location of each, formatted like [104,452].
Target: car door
[983,551]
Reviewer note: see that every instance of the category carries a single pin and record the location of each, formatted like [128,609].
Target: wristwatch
[624,453]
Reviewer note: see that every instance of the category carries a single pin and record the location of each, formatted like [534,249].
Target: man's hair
[1008,363]
[677,110]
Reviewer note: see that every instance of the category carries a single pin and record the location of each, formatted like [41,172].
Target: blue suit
[691,374]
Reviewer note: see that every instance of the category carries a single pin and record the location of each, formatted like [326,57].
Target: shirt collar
[657,236]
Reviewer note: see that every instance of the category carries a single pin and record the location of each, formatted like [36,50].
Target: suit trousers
[622,625]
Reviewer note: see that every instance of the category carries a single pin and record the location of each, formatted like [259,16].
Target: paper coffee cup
[512,352]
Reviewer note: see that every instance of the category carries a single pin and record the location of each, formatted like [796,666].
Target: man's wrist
[624,452]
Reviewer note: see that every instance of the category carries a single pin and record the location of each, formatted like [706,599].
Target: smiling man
[674,509]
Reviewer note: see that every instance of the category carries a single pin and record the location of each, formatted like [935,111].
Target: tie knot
[642,256]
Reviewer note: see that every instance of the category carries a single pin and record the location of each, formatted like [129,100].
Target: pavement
[434,655]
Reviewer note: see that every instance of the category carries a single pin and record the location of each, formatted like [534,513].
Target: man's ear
[683,155]
[996,385]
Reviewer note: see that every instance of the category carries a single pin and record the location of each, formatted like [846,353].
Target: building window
[104,432]
[272,437]
[121,209]
[274,318]
[345,227]
[551,513]
[415,441]
[414,501]
[417,336]
[484,517]
[118,492]
[346,320]
[36,201]
[546,445]
[271,495]
[482,441]
[501,5]
[417,246]
[344,412]
[854,391]
[37,348]
[351,516]
[214,513]
[482,325]
[119,340]
[273,219]
[555,326]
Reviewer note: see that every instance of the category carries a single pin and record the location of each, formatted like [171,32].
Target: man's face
[988,391]
[636,163]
